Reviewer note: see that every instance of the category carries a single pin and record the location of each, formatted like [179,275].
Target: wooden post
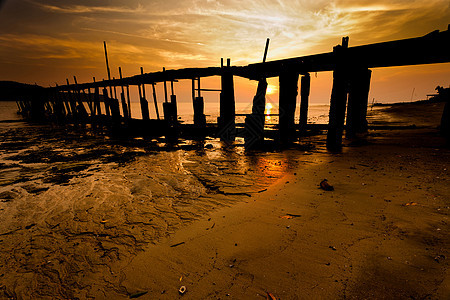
[358,98]
[199,105]
[173,102]
[227,118]
[97,99]
[106,101]
[287,104]
[107,67]
[338,101]
[128,101]
[80,107]
[304,101]
[64,102]
[167,106]
[73,105]
[122,98]
[338,104]
[60,108]
[193,90]
[143,101]
[124,105]
[115,111]
[113,107]
[155,101]
[91,103]
[165,87]
[254,123]
[199,115]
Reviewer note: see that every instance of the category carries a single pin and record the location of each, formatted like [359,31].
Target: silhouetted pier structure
[351,68]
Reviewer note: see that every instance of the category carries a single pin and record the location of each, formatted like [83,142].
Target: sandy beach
[382,233]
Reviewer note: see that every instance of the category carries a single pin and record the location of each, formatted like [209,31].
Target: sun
[271,89]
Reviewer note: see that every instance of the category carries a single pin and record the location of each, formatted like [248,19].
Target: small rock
[182,290]
[324,185]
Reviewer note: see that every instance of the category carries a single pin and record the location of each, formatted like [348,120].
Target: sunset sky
[48,41]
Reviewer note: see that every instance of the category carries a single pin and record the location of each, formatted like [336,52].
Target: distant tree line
[12,91]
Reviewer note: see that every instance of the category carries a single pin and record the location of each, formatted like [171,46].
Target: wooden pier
[106,103]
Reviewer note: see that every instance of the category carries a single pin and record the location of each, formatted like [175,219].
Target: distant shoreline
[411,102]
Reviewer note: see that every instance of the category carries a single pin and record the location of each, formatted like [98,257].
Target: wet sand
[383,233]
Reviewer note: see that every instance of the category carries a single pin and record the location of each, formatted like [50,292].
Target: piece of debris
[324,185]
[290,216]
[410,204]
[138,294]
[332,248]
[178,244]
[29,226]
[182,290]
[270,296]
[438,258]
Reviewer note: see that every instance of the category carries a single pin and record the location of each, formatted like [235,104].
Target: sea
[76,204]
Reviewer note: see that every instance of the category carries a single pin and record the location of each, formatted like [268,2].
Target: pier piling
[199,106]
[143,101]
[338,101]
[254,123]
[155,101]
[122,98]
[358,97]
[287,104]
[106,102]
[305,87]
[226,120]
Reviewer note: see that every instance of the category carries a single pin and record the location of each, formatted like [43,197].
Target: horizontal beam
[429,49]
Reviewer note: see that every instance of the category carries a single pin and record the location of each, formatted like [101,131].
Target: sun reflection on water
[267,112]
